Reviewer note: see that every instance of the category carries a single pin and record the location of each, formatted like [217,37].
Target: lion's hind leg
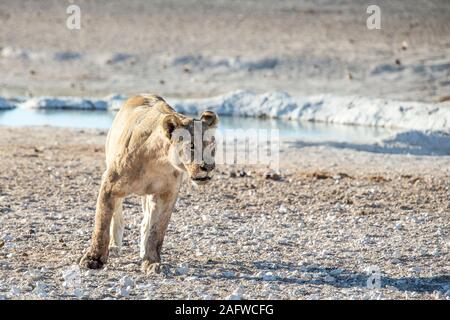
[116,229]
[157,212]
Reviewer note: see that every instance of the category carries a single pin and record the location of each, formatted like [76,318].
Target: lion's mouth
[202,179]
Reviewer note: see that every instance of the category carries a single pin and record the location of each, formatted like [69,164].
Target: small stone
[198,253]
[237,294]
[40,289]
[15,291]
[336,272]
[282,209]
[404,45]
[329,278]
[228,274]
[33,274]
[183,269]
[436,252]
[272,175]
[126,282]
[72,277]
[205,296]
[89,273]
[78,293]
[122,292]
[242,173]
[269,276]
[365,240]
[7,237]
[415,270]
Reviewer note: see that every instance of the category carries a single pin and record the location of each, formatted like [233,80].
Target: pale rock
[282,209]
[126,282]
[398,226]
[436,252]
[228,274]
[182,269]
[122,292]
[237,294]
[40,289]
[336,272]
[72,277]
[269,276]
[15,291]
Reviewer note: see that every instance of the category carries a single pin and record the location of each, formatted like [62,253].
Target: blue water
[103,120]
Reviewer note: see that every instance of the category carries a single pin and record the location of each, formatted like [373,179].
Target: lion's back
[138,117]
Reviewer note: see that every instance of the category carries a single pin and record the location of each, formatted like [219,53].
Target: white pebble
[269,276]
[126,282]
[336,272]
[182,269]
[40,289]
[72,277]
[237,294]
[15,291]
[228,274]
[282,209]
[7,237]
[122,292]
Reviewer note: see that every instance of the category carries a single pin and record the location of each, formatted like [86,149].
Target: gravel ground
[333,217]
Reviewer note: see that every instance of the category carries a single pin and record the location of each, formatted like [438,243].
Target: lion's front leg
[97,255]
[157,212]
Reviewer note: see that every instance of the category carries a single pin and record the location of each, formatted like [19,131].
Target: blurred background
[199,48]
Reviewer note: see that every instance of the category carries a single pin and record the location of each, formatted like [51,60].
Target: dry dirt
[314,234]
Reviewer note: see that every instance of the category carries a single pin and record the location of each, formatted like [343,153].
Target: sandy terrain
[312,235]
[339,210]
[202,48]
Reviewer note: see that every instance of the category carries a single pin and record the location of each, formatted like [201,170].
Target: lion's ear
[169,124]
[210,118]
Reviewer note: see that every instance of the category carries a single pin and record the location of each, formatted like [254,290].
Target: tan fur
[142,159]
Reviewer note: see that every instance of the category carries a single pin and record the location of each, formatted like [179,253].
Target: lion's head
[192,144]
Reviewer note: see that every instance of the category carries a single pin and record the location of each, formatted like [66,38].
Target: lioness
[144,157]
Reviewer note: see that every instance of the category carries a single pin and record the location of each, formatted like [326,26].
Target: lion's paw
[87,261]
[149,267]
[114,251]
